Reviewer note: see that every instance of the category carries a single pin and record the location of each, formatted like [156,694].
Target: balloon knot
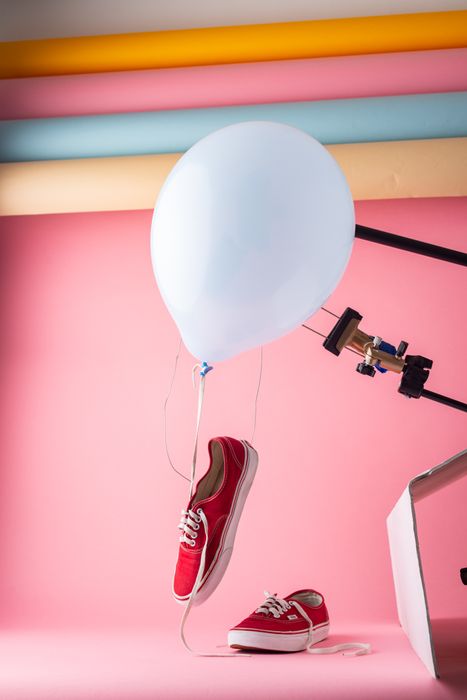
[204,369]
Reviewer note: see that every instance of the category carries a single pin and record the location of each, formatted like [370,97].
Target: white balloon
[251,233]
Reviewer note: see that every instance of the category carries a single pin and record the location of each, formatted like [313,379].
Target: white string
[177,357]
[202,380]
[359,649]
[257,394]
[199,414]
[193,593]
[191,479]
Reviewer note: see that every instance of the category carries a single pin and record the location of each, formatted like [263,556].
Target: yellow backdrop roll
[381,170]
[259,42]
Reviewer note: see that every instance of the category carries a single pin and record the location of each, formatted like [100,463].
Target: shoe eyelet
[192,543]
[199,511]
[196,526]
[195,535]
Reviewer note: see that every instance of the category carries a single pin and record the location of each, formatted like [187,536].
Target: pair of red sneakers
[208,526]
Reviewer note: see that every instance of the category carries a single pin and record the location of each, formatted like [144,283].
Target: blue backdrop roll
[330,121]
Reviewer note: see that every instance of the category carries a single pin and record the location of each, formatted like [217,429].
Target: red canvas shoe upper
[216,495]
[281,616]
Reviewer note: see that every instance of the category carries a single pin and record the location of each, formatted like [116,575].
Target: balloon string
[167,398]
[204,368]
[257,393]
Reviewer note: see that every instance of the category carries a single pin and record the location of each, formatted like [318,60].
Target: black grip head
[332,341]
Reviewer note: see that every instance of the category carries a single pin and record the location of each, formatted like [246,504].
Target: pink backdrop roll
[89,506]
[254,83]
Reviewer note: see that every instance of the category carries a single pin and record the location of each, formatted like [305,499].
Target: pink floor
[127,666]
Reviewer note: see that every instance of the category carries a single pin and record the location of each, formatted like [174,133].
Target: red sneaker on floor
[290,624]
[210,522]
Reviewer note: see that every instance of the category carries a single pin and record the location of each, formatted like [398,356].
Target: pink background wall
[88,503]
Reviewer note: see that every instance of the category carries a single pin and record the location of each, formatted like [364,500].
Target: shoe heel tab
[236,449]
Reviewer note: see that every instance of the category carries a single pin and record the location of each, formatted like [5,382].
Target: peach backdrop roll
[384,170]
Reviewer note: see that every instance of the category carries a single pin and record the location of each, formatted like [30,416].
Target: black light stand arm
[444,400]
[411,245]
[378,354]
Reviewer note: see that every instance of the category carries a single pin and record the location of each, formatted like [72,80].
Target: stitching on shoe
[233,452]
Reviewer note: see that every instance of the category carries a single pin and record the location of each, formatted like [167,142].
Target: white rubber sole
[222,558]
[268,641]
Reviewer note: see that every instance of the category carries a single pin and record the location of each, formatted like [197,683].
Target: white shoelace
[278,606]
[190,524]
[203,371]
[274,605]
[359,649]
